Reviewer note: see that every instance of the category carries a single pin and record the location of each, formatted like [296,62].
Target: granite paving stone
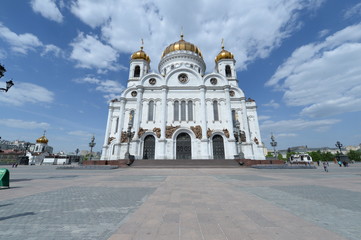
[201,204]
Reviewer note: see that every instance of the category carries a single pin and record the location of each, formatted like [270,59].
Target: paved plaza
[46,203]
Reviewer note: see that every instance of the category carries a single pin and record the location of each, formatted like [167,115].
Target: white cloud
[21,43]
[48,9]
[323,33]
[16,123]
[112,89]
[80,133]
[281,135]
[263,117]
[294,125]
[323,77]
[353,11]
[52,49]
[251,29]
[90,52]
[3,54]
[25,93]
[272,104]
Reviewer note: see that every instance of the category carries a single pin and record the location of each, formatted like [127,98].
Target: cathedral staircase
[186,163]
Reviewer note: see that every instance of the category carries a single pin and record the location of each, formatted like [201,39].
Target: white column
[203,112]
[229,113]
[121,119]
[162,141]
[138,113]
[231,141]
[107,132]
[205,154]
[245,121]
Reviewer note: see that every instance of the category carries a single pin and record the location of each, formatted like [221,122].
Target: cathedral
[182,112]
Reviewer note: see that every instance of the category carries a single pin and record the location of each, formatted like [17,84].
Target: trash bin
[4,178]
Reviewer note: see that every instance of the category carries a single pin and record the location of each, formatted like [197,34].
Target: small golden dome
[42,139]
[182,45]
[140,55]
[224,54]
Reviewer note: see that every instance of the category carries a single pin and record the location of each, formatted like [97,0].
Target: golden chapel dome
[140,55]
[224,54]
[42,139]
[182,45]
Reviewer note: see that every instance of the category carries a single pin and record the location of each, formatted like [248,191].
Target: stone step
[186,163]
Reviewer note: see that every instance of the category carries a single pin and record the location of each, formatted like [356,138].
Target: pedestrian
[325,166]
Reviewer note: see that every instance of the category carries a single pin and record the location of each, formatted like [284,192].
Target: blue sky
[299,59]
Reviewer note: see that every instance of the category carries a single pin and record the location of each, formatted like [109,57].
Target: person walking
[325,166]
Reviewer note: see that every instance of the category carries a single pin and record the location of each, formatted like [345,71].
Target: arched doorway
[149,147]
[184,146]
[218,147]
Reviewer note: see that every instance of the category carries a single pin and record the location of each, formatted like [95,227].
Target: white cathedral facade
[182,112]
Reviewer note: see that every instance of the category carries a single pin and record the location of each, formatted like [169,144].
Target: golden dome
[140,55]
[42,139]
[224,54]
[182,45]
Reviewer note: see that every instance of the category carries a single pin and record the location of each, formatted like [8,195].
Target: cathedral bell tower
[226,65]
[139,66]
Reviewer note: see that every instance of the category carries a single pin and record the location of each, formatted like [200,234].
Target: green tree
[354,155]
[316,156]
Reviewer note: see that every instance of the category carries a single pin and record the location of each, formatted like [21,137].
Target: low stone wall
[119,163]
[250,162]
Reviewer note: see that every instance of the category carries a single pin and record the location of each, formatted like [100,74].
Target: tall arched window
[215,110]
[131,117]
[228,71]
[113,151]
[234,118]
[151,111]
[183,111]
[116,125]
[137,71]
[190,111]
[176,111]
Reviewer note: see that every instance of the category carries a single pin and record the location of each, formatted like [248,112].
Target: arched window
[116,125]
[131,117]
[176,111]
[234,118]
[137,71]
[113,151]
[183,111]
[228,71]
[215,110]
[190,111]
[151,111]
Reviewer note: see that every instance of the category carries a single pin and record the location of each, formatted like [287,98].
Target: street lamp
[91,145]
[273,144]
[339,145]
[9,84]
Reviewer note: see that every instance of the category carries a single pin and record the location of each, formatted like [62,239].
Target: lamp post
[9,84]
[339,146]
[91,145]
[273,144]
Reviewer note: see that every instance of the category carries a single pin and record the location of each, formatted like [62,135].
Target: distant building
[39,151]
